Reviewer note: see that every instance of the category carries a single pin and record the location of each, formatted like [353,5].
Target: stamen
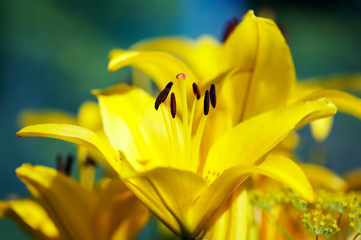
[206,103]
[231,25]
[173,105]
[69,164]
[213,96]
[163,95]
[64,166]
[87,173]
[184,111]
[196,91]
[169,85]
[60,163]
[89,161]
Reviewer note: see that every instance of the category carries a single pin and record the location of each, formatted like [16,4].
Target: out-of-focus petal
[321,128]
[118,214]
[67,203]
[31,117]
[351,81]
[231,220]
[353,179]
[31,217]
[320,176]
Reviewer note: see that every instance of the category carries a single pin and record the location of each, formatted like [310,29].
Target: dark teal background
[54,52]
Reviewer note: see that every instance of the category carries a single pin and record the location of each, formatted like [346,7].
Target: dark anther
[163,95]
[169,85]
[64,166]
[231,25]
[196,90]
[213,97]
[60,163]
[173,105]
[206,103]
[89,161]
[69,164]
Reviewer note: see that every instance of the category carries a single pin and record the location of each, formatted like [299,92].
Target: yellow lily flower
[65,210]
[169,174]
[252,58]
[184,162]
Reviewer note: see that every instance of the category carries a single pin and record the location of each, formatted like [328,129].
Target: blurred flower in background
[54,52]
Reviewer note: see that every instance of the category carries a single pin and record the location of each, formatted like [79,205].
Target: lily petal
[344,102]
[232,218]
[353,179]
[257,45]
[168,193]
[118,214]
[66,202]
[133,126]
[279,168]
[161,67]
[351,81]
[31,217]
[201,55]
[321,128]
[250,140]
[323,177]
[74,134]
[89,116]
[30,117]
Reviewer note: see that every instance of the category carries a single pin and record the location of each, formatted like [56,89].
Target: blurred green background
[54,52]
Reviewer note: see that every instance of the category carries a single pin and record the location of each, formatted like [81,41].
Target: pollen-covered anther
[212,95]
[163,95]
[173,105]
[196,90]
[206,103]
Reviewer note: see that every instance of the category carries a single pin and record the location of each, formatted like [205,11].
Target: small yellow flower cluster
[329,214]
[354,214]
[266,200]
[319,223]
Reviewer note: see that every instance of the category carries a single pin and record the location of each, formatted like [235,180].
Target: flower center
[184,141]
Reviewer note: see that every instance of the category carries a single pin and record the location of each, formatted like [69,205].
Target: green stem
[316,237]
[358,234]
[338,224]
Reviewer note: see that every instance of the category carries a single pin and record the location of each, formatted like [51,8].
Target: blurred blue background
[54,52]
